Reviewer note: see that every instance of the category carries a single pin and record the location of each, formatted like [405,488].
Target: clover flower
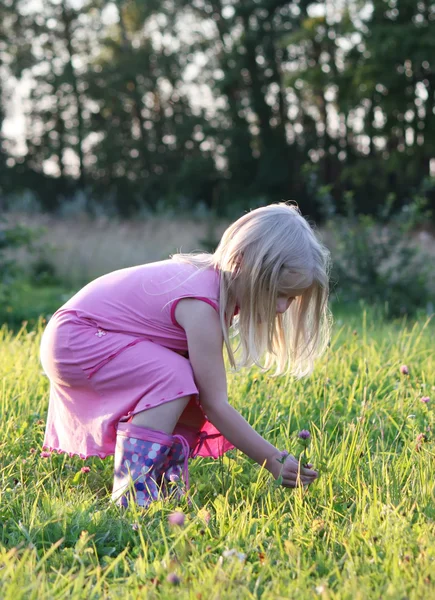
[85,469]
[173,578]
[205,515]
[177,519]
[425,399]
[421,438]
[404,370]
[304,435]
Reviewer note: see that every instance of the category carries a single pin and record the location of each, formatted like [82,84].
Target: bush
[25,292]
[11,238]
[378,260]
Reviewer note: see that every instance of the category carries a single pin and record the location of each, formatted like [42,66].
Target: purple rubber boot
[176,469]
[142,458]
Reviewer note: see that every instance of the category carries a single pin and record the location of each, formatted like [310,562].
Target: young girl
[135,358]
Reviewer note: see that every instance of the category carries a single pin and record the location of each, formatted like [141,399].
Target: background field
[130,130]
[365,529]
[66,253]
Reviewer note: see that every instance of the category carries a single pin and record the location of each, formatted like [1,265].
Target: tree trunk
[67,20]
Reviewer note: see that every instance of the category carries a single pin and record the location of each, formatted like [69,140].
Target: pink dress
[115,349]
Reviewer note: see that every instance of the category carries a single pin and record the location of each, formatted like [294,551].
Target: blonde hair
[254,255]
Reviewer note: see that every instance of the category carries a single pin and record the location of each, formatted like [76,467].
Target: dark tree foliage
[222,103]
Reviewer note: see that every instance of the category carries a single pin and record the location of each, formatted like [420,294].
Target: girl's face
[283,302]
[286,293]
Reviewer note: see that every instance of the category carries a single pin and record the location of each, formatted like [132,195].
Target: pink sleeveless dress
[115,349]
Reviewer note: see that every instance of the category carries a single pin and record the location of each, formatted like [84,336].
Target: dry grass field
[81,249]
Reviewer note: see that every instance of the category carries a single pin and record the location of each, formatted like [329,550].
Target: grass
[80,249]
[365,529]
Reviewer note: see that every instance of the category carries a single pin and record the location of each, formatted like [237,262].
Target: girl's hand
[294,474]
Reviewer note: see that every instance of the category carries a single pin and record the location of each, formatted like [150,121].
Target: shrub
[11,237]
[378,260]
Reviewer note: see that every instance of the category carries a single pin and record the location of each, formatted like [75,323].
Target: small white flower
[320,588]
[233,552]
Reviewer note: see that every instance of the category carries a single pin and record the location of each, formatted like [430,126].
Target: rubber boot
[176,469]
[140,458]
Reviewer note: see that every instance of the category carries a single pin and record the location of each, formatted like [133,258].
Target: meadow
[365,529]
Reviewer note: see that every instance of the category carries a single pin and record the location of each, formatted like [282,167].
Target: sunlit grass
[364,529]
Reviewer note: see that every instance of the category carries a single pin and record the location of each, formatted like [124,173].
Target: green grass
[365,529]
[27,302]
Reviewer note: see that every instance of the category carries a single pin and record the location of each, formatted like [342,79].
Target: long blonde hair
[252,257]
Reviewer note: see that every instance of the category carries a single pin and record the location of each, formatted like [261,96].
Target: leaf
[77,477]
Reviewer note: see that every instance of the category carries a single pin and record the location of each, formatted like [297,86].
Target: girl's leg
[143,456]
[163,417]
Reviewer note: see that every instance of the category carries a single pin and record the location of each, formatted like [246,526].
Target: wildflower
[228,553]
[425,399]
[204,515]
[177,518]
[420,439]
[135,526]
[404,370]
[173,477]
[283,454]
[32,450]
[304,435]
[321,588]
[85,469]
[173,578]
[45,454]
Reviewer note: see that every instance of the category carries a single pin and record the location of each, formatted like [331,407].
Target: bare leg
[163,417]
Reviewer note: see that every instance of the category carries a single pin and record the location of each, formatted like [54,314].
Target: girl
[135,358]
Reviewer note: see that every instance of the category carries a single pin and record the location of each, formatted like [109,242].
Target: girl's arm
[205,343]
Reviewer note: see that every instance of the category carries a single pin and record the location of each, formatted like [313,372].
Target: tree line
[223,103]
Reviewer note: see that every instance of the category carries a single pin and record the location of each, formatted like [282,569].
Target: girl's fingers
[294,467]
[304,474]
[292,483]
[294,479]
